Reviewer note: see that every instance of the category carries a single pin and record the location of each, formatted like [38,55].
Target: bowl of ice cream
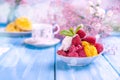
[79,49]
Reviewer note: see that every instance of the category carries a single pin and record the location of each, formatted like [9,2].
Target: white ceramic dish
[78,61]
[3,32]
[41,42]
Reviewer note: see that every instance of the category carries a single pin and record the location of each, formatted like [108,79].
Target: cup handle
[58,28]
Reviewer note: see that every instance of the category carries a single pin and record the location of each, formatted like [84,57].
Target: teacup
[44,31]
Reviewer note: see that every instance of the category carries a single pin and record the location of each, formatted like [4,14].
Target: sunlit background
[65,13]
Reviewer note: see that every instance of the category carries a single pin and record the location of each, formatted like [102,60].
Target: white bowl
[78,61]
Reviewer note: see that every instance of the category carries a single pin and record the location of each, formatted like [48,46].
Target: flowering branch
[95,20]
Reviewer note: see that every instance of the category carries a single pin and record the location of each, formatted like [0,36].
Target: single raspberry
[73,54]
[82,53]
[81,33]
[72,48]
[61,52]
[99,47]
[78,48]
[76,40]
[89,39]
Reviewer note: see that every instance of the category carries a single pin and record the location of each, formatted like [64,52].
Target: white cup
[42,30]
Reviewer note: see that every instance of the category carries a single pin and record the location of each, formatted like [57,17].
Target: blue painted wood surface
[105,67]
[24,62]
[113,42]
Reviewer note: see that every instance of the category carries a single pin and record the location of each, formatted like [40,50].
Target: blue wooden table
[24,62]
[105,67]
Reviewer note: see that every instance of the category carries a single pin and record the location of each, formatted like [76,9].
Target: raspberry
[82,53]
[72,48]
[76,40]
[81,33]
[73,54]
[90,39]
[99,47]
[78,48]
[61,52]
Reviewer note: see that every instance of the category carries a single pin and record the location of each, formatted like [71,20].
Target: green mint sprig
[71,32]
[66,33]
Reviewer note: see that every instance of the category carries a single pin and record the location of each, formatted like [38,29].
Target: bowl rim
[82,57]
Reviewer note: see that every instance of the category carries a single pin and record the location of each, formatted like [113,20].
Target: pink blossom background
[68,13]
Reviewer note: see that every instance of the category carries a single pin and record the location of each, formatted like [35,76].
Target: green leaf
[72,31]
[66,33]
[77,29]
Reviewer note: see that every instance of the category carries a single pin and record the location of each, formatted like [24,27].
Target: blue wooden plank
[100,69]
[3,24]
[113,55]
[25,62]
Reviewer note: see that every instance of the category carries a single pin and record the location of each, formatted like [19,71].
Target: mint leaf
[72,31]
[66,33]
[77,29]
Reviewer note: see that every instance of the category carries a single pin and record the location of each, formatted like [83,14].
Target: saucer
[3,32]
[41,42]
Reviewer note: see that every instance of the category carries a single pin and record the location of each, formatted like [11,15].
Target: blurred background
[98,17]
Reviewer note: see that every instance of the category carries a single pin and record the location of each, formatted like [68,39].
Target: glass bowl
[78,61]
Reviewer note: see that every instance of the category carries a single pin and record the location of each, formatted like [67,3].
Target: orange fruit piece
[12,28]
[23,23]
[89,49]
